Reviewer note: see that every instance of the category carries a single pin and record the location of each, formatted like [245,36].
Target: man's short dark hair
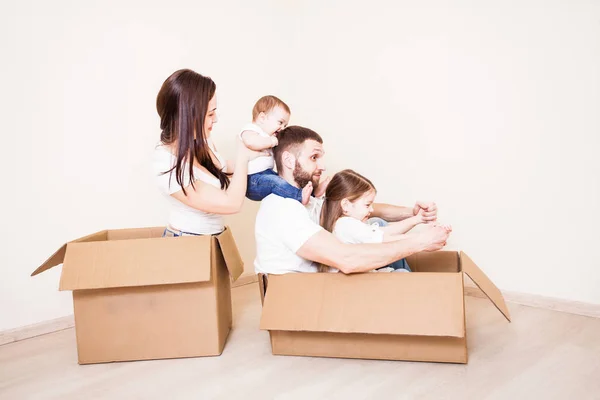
[290,139]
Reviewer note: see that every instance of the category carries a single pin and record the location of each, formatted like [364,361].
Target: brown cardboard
[127,263]
[485,284]
[139,296]
[341,303]
[373,347]
[415,317]
[262,287]
[233,259]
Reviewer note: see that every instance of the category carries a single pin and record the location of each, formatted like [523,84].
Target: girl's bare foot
[448,228]
[306,192]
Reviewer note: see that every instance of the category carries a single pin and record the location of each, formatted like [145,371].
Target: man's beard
[301,177]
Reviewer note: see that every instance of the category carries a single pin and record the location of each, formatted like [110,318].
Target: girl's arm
[394,229]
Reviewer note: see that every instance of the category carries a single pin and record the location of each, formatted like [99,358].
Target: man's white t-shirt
[282,227]
[262,163]
[181,216]
[351,230]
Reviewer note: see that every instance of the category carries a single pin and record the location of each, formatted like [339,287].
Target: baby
[269,116]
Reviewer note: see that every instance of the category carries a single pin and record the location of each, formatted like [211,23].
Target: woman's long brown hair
[182,103]
[346,184]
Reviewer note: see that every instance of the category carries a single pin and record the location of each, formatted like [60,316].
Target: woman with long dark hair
[201,186]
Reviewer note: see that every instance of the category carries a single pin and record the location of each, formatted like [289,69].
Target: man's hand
[429,210]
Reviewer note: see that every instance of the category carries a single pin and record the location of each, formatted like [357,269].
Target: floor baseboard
[537,301]
[41,328]
[58,324]
[531,300]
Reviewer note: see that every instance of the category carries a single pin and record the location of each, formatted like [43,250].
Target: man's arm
[393,213]
[325,248]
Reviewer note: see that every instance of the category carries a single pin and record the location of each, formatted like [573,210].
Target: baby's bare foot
[306,192]
[320,191]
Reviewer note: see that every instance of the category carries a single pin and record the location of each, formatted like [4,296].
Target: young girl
[346,210]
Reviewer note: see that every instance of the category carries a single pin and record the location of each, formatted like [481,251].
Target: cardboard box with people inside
[418,316]
[310,311]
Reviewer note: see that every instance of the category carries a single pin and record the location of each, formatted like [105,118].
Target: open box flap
[59,256]
[231,254]
[484,283]
[136,262]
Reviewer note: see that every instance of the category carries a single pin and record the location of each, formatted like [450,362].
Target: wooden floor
[540,355]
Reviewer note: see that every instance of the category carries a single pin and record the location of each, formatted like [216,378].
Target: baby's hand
[274,141]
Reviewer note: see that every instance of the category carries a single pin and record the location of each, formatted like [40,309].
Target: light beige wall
[488,108]
[78,109]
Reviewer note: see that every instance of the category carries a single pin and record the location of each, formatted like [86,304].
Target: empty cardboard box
[418,316]
[139,296]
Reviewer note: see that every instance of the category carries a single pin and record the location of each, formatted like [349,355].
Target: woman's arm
[207,198]
[230,166]
[253,141]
